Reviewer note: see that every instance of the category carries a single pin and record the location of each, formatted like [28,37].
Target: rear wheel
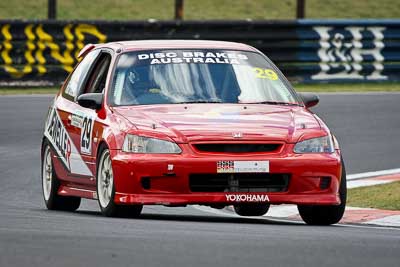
[106,190]
[326,215]
[251,209]
[50,185]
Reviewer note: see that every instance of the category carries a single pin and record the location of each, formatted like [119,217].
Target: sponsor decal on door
[63,145]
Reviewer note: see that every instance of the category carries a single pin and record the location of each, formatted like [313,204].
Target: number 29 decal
[86,135]
[265,74]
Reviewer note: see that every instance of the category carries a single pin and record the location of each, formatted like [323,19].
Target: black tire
[52,200]
[251,209]
[112,209]
[326,215]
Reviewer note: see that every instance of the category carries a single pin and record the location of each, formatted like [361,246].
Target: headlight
[315,145]
[141,144]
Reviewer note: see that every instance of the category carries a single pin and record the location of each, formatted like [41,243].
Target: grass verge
[348,87]
[386,196]
[205,9]
[27,91]
[317,88]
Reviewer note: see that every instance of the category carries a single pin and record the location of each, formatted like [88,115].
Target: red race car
[184,122]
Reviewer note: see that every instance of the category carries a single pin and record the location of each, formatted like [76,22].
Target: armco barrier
[43,52]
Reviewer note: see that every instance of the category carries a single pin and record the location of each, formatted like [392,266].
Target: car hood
[215,122]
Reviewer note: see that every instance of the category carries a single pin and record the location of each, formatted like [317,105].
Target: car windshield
[197,76]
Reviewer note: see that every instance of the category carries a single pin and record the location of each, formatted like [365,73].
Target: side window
[96,80]
[77,78]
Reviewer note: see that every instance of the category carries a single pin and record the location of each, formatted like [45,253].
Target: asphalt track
[367,126]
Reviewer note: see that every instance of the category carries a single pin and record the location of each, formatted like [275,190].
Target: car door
[87,122]
[71,115]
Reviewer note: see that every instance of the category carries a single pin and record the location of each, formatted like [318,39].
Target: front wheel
[106,190]
[326,215]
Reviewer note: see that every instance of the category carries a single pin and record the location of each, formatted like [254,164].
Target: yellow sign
[39,43]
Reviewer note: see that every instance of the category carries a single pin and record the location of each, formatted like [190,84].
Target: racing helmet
[133,76]
[136,82]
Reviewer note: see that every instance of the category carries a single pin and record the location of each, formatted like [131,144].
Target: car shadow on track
[214,219]
[229,218]
[195,218]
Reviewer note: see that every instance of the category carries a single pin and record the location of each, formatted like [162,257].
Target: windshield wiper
[198,101]
[274,103]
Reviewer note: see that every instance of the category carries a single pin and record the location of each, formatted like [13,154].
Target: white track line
[224,213]
[281,212]
[365,175]
[388,221]
[365,182]
[367,226]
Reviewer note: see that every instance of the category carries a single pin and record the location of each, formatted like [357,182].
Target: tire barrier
[42,53]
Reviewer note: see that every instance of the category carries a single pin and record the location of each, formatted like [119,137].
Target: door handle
[69,119]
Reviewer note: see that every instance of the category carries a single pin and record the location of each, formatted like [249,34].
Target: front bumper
[170,185]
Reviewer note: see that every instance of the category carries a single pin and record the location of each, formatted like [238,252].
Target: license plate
[231,166]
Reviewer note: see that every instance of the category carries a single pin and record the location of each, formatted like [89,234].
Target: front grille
[237,148]
[239,182]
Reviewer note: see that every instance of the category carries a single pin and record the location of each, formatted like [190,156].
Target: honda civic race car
[184,122]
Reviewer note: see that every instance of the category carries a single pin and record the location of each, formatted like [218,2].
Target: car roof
[175,44]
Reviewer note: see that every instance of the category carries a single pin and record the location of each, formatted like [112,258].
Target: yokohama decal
[63,145]
[246,198]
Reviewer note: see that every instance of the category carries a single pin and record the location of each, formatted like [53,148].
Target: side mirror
[91,100]
[309,100]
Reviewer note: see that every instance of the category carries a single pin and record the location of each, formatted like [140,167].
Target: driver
[135,86]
